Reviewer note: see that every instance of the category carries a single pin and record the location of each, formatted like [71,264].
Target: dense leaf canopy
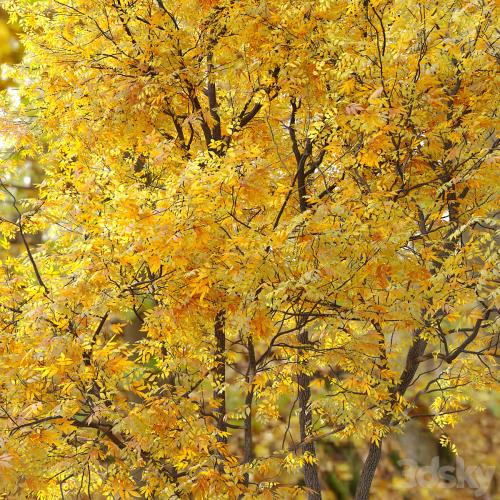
[296,203]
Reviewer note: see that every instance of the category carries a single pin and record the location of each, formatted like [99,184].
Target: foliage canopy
[295,200]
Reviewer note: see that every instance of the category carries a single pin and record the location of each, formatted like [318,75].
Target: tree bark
[368,472]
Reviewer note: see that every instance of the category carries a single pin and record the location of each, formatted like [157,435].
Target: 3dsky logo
[477,478]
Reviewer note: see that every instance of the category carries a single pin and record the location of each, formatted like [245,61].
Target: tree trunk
[368,472]
[311,477]
[375,451]
[220,380]
[248,437]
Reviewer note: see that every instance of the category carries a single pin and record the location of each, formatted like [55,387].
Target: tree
[296,200]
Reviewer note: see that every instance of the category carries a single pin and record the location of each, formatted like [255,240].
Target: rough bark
[368,472]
